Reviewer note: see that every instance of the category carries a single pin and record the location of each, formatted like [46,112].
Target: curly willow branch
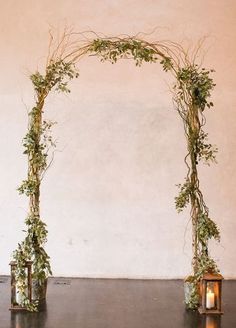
[191,92]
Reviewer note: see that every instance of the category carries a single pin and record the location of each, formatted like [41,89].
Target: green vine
[38,144]
[192,93]
[138,50]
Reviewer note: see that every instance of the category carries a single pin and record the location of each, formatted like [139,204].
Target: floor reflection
[212,321]
[196,320]
[24,319]
[101,303]
[192,319]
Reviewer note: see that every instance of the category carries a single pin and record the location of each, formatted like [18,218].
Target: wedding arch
[191,94]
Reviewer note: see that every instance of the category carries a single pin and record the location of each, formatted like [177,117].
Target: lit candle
[210,300]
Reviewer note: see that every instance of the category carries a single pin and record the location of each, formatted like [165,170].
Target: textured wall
[108,198]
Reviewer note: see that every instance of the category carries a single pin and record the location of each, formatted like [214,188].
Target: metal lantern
[211,294]
[15,295]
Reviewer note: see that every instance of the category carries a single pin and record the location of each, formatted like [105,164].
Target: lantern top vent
[212,276]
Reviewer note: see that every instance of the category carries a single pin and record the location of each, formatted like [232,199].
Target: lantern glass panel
[212,293]
[19,297]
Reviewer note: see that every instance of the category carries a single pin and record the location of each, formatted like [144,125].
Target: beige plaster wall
[108,199]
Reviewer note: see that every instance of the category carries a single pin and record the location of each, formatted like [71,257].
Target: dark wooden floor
[102,303]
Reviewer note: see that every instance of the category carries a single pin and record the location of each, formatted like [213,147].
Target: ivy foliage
[193,89]
[207,229]
[129,48]
[197,83]
[205,151]
[183,199]
[58,74]
[38,145]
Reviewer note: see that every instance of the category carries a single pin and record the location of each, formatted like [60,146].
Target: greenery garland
[191,94]
[37,143]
